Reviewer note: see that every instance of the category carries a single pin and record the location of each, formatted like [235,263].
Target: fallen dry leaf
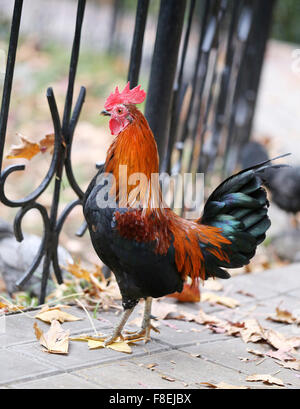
[167,378]
[223,385]
[56,340]
[280,341]
[163,310]
[218,299]
[283,316]
[252,331]
[265,378]
[121,346]
[190,293]
[256,352]
[151,366]
[290,365]
[10,307]
[280,355]
[49,314]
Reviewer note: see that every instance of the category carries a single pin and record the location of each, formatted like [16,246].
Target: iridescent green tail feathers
[239,206]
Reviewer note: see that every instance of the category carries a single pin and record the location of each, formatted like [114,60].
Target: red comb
[127,96]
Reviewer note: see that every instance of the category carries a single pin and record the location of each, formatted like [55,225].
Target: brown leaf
[47,143]
[78,271]
[190,293]
[163,310]
[279,341]
[27,149]
[56,340]
[252,331]
[218,299]
[151,366]
[283,316]
[265,378]
[223,385]
[290,365]
[280,355]
[255,352]
[10,307]
[167,378]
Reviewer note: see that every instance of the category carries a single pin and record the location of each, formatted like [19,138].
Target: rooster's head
[118,107]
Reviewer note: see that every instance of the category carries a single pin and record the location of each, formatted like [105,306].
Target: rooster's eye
[119,111]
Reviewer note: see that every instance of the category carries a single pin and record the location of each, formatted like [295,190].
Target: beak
[105,113]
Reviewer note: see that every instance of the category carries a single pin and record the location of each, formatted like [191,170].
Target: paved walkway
[183,355]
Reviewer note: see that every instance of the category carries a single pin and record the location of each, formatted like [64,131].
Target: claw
[113,338]
[142,333]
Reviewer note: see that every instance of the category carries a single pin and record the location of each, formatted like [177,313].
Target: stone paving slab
[177,333]
[191,371]
[80,356]
[281,280]
[16,366]
[19,327]
[229,354]
[23,364]
[61,381]
[261,309]
[126,374]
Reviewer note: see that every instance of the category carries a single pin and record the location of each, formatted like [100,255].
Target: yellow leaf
[50,314]
[92,344]
[56,340]
[26,149]
[116,346]
[76,270]
[121,347]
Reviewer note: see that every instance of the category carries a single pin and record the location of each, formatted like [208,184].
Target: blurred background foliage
[286,23]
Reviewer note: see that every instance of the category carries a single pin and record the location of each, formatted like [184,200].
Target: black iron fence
[199,110]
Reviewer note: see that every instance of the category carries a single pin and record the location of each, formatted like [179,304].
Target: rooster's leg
[146,324]
[118,329]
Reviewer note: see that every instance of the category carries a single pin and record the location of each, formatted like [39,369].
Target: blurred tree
[286,21]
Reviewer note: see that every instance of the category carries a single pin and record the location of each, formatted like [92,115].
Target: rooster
[149,248]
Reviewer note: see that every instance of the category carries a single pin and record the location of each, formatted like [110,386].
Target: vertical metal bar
[73,68]
[166,166]
[163,69]
[9,73]
[219,115]
[185,129]
[247,81]
[137,42]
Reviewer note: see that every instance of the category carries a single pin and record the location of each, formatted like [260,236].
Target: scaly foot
[142,333]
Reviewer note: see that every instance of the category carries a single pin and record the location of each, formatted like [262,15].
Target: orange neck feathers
[133,158]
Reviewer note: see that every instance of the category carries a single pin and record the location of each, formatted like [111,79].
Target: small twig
[261,361]
[88,315]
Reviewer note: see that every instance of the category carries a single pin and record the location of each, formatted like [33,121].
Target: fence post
[163,69]
[9,73]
